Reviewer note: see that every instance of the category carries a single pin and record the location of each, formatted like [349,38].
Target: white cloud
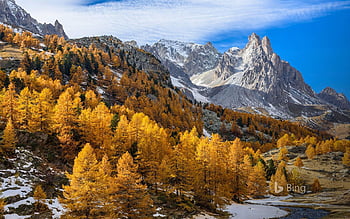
[187,20]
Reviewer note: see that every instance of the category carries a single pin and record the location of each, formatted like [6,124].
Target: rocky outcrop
[337,99]
[17,17]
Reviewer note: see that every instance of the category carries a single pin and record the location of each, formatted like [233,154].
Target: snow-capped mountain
[253,77]
[17,17]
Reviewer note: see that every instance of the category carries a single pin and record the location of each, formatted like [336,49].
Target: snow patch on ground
[27,201]
[199,97]
[176,82]
[279,201]
[15,216]
[250,211]
[206,133]
[56,207]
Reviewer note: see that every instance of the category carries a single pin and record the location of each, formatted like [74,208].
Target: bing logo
[290,188]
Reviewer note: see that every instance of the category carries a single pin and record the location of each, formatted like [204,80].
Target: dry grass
[340,130]
[8,51]
[334,178]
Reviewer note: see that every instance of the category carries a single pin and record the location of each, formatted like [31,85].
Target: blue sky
[312,35]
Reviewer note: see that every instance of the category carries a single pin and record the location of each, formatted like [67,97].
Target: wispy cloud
[188,20]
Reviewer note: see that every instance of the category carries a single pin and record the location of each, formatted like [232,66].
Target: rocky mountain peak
[15,16]
[329,91]
[333,97]
[266,45]
[254,38]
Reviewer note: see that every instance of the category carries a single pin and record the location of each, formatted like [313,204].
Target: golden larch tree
[81,195]
[236,155]
[257,181]
[133,199]
[285,140]
[310,152]
[282,155]
[346,157]
[39,197]
[65,122]
[9,104]
[298,162]
[42,111]
[9,139]
[25,102]
[278,182]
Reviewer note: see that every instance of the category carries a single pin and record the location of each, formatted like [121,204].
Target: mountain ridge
[14,15]
[251,78]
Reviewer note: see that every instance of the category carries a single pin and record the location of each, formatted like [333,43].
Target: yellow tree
[81,195]
[95,126]
[65,122]
[218,178]
[42,111]
[152,147]
[106,186]
[166,175]
[24,106]
[298,162]
[310,152]
[278,182]
[346,158]
[133,199]
[282,155]
[39,197]
[2,206]
[91,100]
[285,140]
[256,181]
[120,143]
[9,104]
[236,155]
[184,161]
[9,139]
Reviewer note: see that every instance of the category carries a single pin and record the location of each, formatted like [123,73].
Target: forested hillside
[129,141]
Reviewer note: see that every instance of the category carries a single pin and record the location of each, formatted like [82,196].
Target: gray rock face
[188,58]
[337,99]
[14,15]
[253,77]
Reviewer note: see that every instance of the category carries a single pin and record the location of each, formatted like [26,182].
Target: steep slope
[15,16]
